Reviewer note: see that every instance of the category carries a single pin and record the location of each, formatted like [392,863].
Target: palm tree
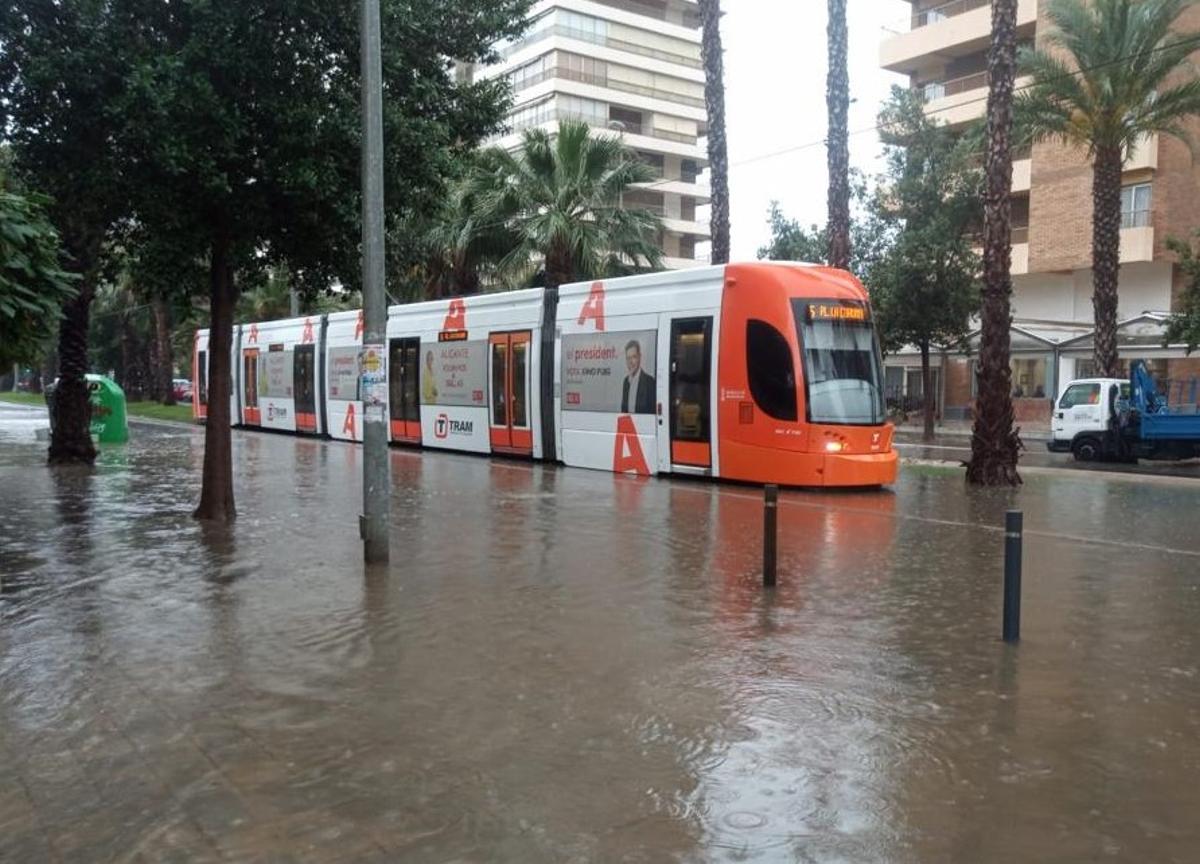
[714,100]
[461,247]
[559,198]
[1120,73]
[837,98]
[995,445]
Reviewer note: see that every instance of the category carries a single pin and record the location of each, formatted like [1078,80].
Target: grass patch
[24,398]
[181,413]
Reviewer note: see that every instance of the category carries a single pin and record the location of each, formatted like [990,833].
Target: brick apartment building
[942,47]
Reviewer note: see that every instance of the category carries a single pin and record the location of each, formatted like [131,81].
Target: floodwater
[567,666]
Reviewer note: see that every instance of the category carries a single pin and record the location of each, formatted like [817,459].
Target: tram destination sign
[837,312]
[452,336]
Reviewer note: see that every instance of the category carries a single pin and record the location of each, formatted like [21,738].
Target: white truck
[1123,421]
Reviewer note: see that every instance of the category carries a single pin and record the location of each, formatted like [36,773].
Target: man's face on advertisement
[633,359]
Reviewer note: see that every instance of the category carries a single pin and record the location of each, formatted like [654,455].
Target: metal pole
[1013,530]
[770,509]
[376,485]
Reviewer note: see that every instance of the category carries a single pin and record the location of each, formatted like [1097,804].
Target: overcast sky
[775,99]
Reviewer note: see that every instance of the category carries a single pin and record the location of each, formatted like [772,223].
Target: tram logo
[444,427]
[593,307]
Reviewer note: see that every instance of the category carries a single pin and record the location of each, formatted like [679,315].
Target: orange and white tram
[762,372]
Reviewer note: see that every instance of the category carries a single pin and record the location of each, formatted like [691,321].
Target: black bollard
[1013,529]
[770,508]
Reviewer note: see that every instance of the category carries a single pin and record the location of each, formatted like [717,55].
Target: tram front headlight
[834,446]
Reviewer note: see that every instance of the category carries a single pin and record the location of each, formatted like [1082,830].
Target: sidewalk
[1029,431]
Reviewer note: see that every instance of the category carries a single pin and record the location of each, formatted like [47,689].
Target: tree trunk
[714,100]
[216,495]
[837,141]
[71,440]
[995,445]
[165,370]
[559,268]
[929,398]
[1106,256]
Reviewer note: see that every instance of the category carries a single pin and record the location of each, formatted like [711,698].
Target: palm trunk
[71,441]
[929,397]
[837,99]
[714,100]
[559,269]
[164,371]
[995,445]
[1106,256]
[216,495]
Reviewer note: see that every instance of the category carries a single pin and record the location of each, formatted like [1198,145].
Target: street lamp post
[376,475]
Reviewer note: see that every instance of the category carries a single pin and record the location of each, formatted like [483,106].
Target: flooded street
[569,666]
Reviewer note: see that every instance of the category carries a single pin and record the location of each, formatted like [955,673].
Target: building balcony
[1137,237]
[960,100]
[1022,178]
[687,226]
[672,262]
[562,73]
[953,29]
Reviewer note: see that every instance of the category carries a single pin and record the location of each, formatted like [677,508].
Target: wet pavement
[567,666]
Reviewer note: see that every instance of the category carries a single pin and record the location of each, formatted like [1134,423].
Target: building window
[1135,206]
[769,366]
[1028,378]
[688,170]
[687,246]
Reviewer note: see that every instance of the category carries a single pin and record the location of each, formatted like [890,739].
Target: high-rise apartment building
[942,47]
[630,68]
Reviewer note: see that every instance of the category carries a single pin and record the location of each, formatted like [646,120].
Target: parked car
[183,389]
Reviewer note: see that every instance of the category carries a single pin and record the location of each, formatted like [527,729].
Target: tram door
[508,379]
[690,374]
[304,375]
[404,404]
[251,415]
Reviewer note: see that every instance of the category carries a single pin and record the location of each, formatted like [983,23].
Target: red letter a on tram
[349,427]
[627,451]
[593,307]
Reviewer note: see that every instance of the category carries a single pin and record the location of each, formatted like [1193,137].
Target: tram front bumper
[851,469]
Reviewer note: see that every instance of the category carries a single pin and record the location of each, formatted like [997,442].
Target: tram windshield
[842,367]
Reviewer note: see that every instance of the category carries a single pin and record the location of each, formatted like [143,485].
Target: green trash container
[110,425]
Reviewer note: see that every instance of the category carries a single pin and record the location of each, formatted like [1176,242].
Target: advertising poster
[610,372]
[275,378]
[454,373]
[343,374]
[374,379]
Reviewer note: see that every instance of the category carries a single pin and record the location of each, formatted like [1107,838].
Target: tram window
[202,375]
[396,375]
[251,377]
[499,376]
[520,351]
[412,365]
[769,365]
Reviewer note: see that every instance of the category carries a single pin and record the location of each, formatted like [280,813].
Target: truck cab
[1084,415]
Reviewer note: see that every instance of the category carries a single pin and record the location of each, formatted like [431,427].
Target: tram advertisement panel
[275,378]
[454,373]
[344,375]
[609,372]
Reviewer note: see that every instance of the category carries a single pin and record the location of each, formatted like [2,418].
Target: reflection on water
[561,665]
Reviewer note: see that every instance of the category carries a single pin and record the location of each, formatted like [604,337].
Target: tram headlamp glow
[834,446]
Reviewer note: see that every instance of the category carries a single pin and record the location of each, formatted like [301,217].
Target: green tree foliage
[1184,325]
[559,198]
[242,121]
[925,286]
[1112,72]
[33,283]
[870,237]
[64,65]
